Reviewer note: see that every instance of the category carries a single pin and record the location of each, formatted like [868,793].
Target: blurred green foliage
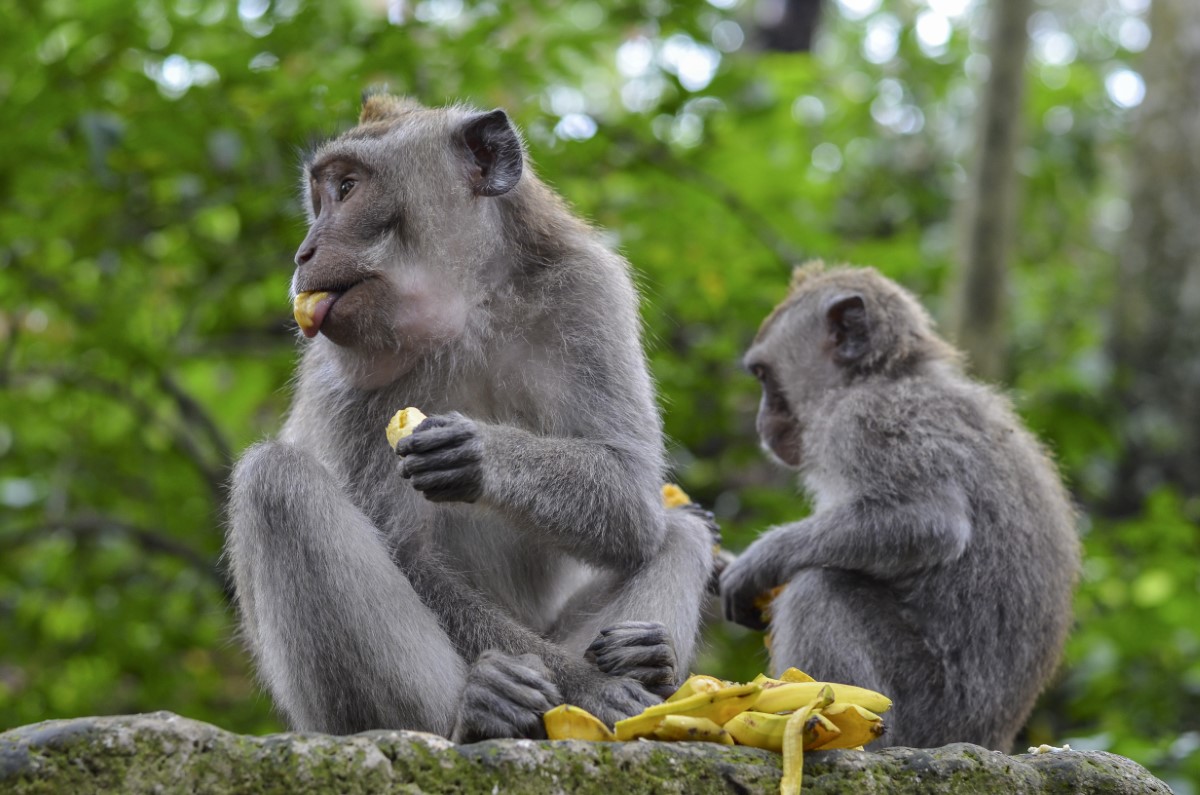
[149,216]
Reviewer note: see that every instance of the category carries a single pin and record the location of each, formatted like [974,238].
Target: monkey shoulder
[900,436]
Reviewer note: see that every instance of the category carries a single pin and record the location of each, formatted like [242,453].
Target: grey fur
[525,517]
[939,561]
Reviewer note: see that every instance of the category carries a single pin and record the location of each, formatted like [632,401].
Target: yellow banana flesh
[793,695]
[566,722]
[403,423]
[857,726]
[718,706]
[697,683]
[682,728]
[674,497]
[304,306]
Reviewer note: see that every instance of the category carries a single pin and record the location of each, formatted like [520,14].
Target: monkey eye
[345,188]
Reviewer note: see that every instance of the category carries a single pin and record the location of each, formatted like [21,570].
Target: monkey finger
[629,696]
[706,516]
[619,661]
[529,671]
[474,727]
[632,633]
[520,695]
[744,613]
[424,439]
[628,626]
[481,717]
[444,459]
[451,485]
[655,678]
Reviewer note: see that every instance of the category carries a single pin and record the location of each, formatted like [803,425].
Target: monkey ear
[848,326]
[495,153]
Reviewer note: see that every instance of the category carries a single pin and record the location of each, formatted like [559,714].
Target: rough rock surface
[161,753]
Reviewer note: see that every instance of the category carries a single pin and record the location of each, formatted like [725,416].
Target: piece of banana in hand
[403,424]
[674,497]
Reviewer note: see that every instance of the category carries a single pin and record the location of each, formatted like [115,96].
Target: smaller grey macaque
[939,561]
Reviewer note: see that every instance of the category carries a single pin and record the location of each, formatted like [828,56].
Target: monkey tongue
[310,309]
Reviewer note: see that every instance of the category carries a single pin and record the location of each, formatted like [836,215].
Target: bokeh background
[149,213]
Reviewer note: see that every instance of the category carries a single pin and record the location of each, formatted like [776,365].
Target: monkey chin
[370,369]
[380,336]
[782,444]
[786,457]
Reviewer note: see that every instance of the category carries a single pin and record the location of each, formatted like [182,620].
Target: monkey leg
[649,612]
[839,626]
[341,639]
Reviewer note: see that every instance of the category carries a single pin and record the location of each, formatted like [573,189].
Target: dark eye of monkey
[345,188]
[775,399]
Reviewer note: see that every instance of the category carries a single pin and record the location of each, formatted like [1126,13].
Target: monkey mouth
[311,307]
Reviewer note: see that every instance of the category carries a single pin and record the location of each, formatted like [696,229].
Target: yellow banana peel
[758,729]
[819,731]
[697,683]
[682,728]
[791,696]
[566,722]
[789,715]
[718,706]
[795,675]
[857,726]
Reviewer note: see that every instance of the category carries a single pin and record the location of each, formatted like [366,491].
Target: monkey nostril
[305,254]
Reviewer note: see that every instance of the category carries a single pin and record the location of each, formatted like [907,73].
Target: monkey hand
[444,458]
[505,696]
[641,650]
[609,698]
[743,582]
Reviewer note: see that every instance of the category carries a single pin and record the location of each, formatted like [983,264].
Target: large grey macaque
[938,563]
[517,554]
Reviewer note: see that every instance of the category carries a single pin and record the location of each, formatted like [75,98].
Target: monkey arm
[885,540]
[545,484]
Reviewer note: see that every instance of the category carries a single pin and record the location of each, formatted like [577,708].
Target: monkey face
[402,229]
[794,365]
[778,428]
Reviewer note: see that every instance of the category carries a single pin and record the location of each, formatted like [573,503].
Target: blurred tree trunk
[1156,329]
[796,27]
[979,299]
